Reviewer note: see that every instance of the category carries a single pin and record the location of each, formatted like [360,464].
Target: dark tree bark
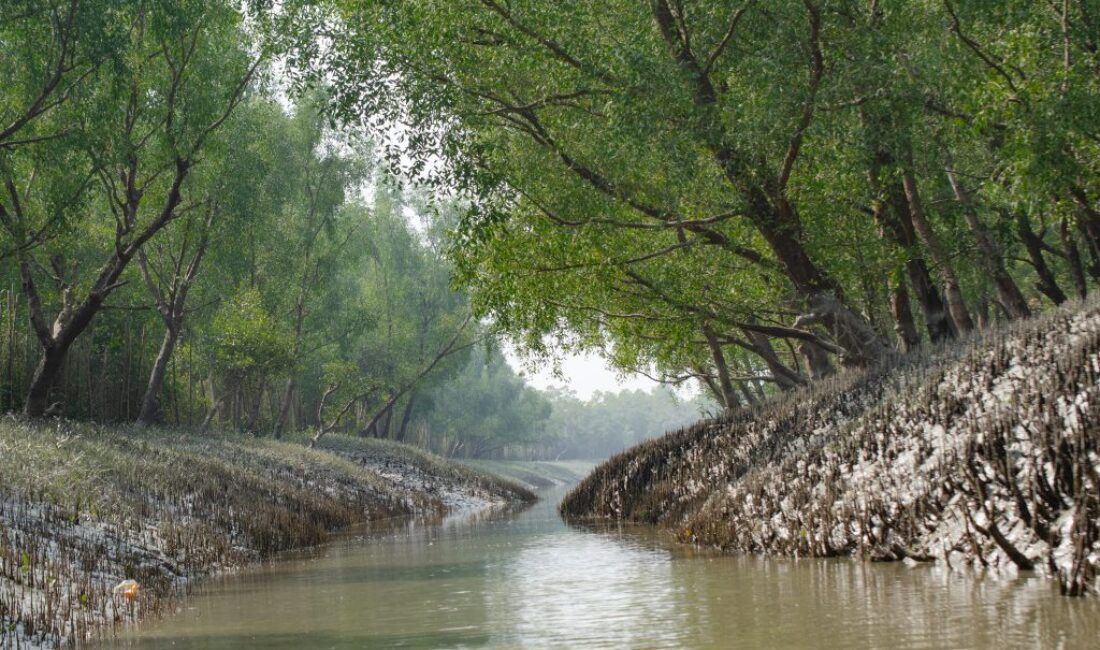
[126,194]
[1088,222]
[896,226]
[726,394]
[764,189]
[150,403]
[906,329]
[991,259]
[817,360]
[171,302]
[1047,284]
[783,376]
[406,416]
[1093,246]
[897,223]
[956,305]
[385,426]
[1073,256]
[73,319]
[901,230]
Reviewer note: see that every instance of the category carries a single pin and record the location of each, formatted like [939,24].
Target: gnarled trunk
[768,207]
[726,394]
[45,374]
[783,376]
[1047,283]
[1073,256]
[956,305]
[906,329]
[991,258]
[150,403]
[895,220]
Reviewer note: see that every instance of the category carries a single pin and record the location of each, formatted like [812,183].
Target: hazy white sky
[583,374]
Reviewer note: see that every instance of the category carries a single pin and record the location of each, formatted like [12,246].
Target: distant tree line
[608,423]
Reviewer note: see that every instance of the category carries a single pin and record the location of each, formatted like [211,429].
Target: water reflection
[525,580]
[572,590]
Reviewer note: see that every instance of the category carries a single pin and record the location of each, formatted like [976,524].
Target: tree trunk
[254,406]
[981,311]
[284,407]
[384,428]
[1089,223]
[150,403]
[746,393]
[956,306]
[896,225]
[1093,247]
[817,360]
[908,337]
[725,384]
[784,377]
[72,321]
[756,386]
[768,207]
[936,319]
[1047,283]
[990,258]
[406,416]
[45,373]
[903,233]
[1073,256]
[55,347]
[215,406]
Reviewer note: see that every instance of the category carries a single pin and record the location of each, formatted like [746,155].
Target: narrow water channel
[526,580]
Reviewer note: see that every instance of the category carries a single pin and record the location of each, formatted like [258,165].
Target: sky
[584,374]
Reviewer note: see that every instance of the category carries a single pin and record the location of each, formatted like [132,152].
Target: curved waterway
[512,580]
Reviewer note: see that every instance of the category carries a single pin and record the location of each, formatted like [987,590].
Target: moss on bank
[84,506]
[985,454]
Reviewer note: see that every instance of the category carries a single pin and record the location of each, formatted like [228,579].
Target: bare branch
[817,70]
[726,38]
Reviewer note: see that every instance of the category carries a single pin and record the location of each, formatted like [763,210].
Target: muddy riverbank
[985,455]
[84,507]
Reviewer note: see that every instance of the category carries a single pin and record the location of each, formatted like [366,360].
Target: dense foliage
[742,192]
[745,194]
[183,241]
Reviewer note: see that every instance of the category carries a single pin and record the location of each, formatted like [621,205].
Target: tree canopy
[326,215]
[738,191]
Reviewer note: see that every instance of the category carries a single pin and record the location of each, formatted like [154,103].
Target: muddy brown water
[510,580]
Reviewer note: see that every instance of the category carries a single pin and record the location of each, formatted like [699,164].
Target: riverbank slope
[83,507]
[534,474]
[984,454]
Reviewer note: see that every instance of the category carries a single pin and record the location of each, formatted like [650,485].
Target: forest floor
[84,507]
[983,454]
